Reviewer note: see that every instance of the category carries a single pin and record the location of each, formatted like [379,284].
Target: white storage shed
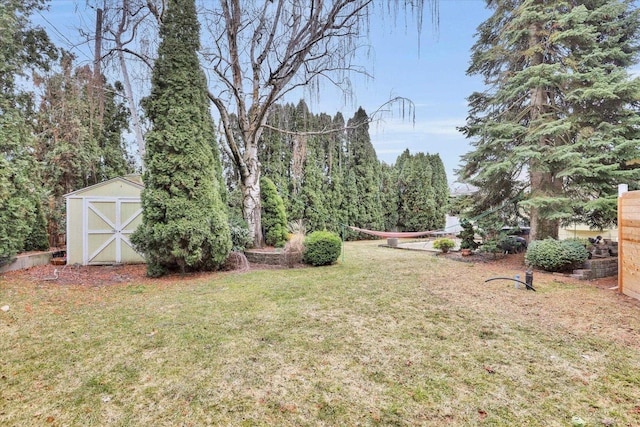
[100,219]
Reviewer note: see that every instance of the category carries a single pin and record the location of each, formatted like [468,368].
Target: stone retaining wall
[22,262]
[597,268]
[270,258]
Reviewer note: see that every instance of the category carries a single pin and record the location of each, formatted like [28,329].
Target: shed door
[108,222]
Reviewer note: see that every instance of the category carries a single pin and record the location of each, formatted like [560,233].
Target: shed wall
[74,231]
[100,220]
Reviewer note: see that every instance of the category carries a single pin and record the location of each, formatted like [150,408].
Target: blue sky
[432,76]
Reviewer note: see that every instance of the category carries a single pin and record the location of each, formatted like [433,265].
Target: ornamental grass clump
[556,255]
[321,248]
[294,249]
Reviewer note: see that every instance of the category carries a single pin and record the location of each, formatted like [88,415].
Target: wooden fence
[629,244]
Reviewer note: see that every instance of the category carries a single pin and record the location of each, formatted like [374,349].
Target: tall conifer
[184,221]
[362,161]
[23,48]
[560,117]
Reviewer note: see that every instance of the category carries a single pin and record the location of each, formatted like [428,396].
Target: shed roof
[134,180]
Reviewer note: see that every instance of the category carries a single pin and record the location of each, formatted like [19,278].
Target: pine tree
[115,159]
[559,120]
[184,220]
[423,192]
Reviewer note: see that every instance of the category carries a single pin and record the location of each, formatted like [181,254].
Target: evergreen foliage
[274,217]
[444,244]
[556,255]
[363,192]
[560,116]
[423,192]
[467,235]
[24,48]
[184,224]
[329,178]
[79,135]
[389,196]
[321,248]
[240,236]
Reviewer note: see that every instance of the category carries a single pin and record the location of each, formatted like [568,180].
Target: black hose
[512,279]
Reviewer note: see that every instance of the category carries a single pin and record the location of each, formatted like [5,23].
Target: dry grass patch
[385,337]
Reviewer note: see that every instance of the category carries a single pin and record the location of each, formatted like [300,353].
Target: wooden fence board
[629,244]
[632,210]
[631,235]
[630,195]
[632,223]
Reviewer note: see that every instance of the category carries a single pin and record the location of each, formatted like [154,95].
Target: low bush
[556,255]
[444,244]
[240,234]
[321,248]
[491,246]
[467,235]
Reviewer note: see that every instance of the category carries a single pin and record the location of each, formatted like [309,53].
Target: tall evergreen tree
[390,196]
[184,223]
[560,116]
[316,209]
[362,161]
[336,196]
[417,207]
[441,192]
[23,48]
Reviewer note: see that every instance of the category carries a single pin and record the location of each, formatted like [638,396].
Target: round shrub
[444,244]
[321,248]
[556,255]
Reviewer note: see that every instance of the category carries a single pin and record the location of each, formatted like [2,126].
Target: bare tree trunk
[542,183]
[542,180]
[251,206]
[137,127]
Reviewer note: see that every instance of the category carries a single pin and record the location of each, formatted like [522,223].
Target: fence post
[622,188]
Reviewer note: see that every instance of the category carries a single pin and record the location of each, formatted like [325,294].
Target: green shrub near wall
[556,255]
[321,248]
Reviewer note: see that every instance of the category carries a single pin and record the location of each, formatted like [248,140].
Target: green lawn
[385,337]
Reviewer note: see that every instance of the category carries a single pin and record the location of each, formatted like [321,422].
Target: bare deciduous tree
[261,51]
[127,28]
